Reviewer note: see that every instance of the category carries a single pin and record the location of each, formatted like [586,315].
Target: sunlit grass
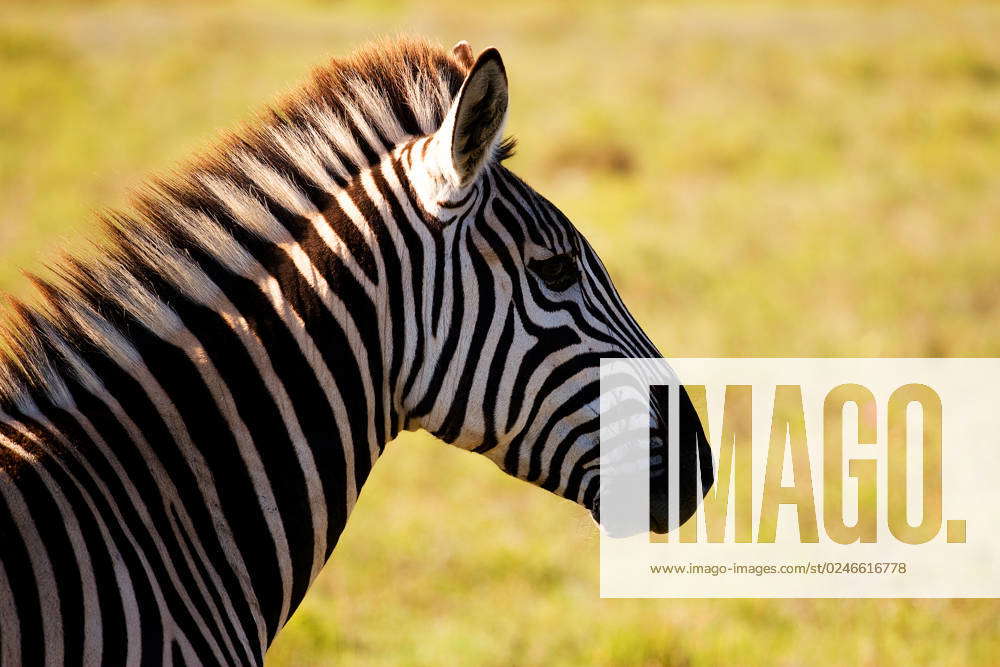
[808,179]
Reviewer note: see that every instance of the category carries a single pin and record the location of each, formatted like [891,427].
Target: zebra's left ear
[473,126]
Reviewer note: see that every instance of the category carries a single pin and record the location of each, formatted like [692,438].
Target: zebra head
[517,313]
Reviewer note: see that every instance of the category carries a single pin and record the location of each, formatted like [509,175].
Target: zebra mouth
[658,501]
[659,497]
[629,465]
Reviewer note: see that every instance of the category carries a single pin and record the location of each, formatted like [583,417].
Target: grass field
[793,179]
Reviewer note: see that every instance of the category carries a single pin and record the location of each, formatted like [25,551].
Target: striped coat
[187,418]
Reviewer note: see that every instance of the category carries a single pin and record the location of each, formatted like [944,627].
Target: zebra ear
[475,121]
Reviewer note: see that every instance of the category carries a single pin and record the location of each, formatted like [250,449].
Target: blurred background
[786,179]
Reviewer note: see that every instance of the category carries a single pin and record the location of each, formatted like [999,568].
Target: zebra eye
[558,272]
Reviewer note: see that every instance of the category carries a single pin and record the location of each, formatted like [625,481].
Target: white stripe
[338,133]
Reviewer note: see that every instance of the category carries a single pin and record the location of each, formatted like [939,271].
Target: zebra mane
[294,156]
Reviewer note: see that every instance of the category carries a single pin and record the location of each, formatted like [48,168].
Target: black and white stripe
[187,422]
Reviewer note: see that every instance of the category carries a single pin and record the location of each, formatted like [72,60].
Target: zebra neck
[221,434]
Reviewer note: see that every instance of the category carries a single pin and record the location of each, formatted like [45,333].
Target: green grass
[762,179]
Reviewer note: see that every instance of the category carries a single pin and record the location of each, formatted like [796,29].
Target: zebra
[188,415]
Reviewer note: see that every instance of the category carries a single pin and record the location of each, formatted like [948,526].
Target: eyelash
[558,272]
